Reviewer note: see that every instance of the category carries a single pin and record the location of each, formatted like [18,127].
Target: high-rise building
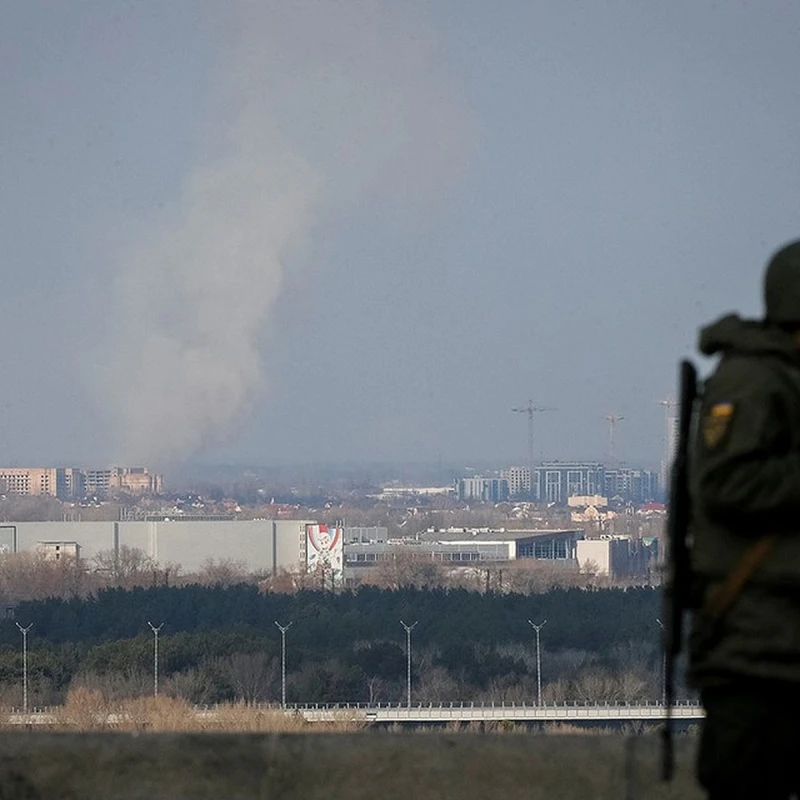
[518,479]
[670,446]
[555,481]
[482,490]
[632,485]
[70,483]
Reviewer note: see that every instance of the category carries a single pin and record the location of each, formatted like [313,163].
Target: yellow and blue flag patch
[716,423]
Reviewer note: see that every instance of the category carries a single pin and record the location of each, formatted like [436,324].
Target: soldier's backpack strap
[724,596]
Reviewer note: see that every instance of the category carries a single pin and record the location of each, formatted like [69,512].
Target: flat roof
[468,536]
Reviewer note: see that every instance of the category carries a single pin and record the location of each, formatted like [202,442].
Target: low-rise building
[365,535]
[261,546]
[59,551]
[466,546]
[608,556]
[592,509]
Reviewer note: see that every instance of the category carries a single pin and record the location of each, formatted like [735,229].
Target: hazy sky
[360,230]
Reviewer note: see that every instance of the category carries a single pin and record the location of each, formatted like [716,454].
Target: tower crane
[613,420]
[530,410]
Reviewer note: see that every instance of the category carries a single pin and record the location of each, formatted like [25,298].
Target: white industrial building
[608,555]
[263,546]
[465,546]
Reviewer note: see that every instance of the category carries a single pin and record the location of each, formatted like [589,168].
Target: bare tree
[222,572]
[35,508]
[34,576]
[196,686]
[404,568]
[133,682]
[378,690]
[531,576]
[126,567]
[436,685]
[510,689]
[286,581]
[253,676]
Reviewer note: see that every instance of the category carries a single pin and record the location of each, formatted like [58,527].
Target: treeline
[221,643]
[36,576]
[326,622]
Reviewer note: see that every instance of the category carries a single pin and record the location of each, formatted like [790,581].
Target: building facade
[468,547]
[29,481]
[607,556]
[482,490]
[636,486]
[71,483]
[261,546]
[518,480]
[131,480]
[554,482]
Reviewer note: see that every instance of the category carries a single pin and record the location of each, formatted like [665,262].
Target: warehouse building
[466,546]
[263,546]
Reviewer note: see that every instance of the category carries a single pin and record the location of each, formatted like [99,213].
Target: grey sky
[321,231]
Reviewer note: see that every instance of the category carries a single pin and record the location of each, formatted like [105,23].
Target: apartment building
[632,485]
[68,483]
[518,479]
[482,490]
[132,480]
[554,482]
[29,481]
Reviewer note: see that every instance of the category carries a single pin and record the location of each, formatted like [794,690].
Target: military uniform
[745,488]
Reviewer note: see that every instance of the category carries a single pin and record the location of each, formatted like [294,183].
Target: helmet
[782,286]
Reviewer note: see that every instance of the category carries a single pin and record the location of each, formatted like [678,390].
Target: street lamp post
[24,632]
[538,629]
[283,629]
[408,629]
[155,655]
[663,667]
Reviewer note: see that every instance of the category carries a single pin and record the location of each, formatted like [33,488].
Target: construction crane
[530,410]
[613,420]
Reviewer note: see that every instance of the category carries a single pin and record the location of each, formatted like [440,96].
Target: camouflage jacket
[745,483]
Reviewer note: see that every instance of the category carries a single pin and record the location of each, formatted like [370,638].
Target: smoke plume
[319,106]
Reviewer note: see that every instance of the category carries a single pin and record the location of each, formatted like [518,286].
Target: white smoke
[320,105]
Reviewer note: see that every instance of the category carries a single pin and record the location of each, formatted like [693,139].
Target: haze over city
[263,232]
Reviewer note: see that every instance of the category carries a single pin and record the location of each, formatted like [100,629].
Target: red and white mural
[324,549]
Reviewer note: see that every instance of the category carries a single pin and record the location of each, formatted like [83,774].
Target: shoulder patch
[716,423]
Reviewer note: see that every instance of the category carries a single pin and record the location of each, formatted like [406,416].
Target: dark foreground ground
[411,766]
